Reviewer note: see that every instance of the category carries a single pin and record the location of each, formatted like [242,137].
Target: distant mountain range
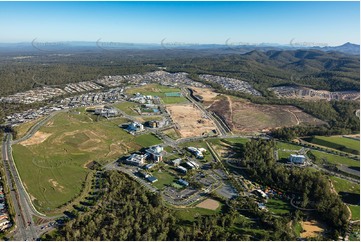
[323,68]
[347,48]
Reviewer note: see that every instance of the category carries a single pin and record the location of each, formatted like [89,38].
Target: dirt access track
[189,120]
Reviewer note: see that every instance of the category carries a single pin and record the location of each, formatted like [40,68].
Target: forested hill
[313,68]
[127,212]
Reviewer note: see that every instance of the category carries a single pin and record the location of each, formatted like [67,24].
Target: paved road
[299,208]
[336,174]
[36,127]
[349,170]
[19,183]
[222,128]
[324,149]
[25,229]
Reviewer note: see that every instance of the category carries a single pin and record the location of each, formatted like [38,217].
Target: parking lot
[227,191]
[176,194]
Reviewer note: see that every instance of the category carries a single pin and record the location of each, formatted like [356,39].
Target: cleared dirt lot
[208,204]
[207,94]
[246,117]
[189,120]
[37,138]
[311,229]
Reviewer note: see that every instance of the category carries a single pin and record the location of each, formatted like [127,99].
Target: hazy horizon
[182,23]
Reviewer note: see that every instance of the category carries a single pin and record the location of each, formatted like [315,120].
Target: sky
[308,23]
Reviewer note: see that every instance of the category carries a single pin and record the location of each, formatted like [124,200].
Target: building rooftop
[183,182]
[152,179]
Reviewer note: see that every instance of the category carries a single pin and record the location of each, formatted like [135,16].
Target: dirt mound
[56,185]
[207,94]
[37,138]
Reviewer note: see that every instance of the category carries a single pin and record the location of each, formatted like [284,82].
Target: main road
[25,229]
[36,127]
[220,125]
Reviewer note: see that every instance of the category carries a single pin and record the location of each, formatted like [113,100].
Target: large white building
[297,159]
[197,152]
[136,159]
[155,153]
[135,127]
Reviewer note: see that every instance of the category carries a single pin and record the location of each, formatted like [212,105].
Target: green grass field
[287,146]
[342,185]
[176,185]
[158,90]
[278,206]
[153,117]
[298,229]
[350,194]
[52,164]
[337,142]
[164,178]
[127,107]
[199,144]
[322,157]
[355,210]
[255,232]
[242,141]
[22,129]
[189,214]
[147,140]
[171,133]
[284,154]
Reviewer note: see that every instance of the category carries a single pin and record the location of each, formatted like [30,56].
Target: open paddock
[52,163]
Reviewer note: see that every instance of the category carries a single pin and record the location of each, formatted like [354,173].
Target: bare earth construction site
[243,116]
[190,120]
